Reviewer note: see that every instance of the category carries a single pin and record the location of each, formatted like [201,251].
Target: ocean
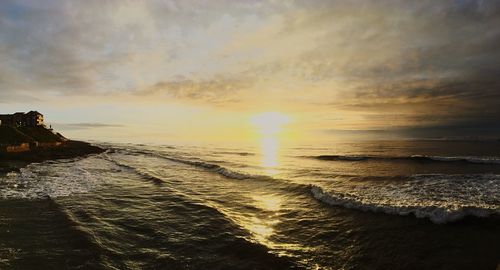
[346,205]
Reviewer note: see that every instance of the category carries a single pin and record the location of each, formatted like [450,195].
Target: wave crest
[216,169]
[416,158]
[438,214]
[226,172]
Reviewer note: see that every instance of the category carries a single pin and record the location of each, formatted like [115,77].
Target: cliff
[20,146]
[10,135]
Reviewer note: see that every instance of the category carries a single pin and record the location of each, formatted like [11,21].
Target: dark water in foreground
[378,205]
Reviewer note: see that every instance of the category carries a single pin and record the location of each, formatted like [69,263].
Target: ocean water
[362,205]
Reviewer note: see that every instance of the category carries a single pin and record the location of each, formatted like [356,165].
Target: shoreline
[69,149]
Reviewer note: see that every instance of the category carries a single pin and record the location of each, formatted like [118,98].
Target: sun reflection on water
[262,227]
[269,150]
[268,202]
[269,125]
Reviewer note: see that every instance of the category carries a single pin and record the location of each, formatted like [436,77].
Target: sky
[202,71]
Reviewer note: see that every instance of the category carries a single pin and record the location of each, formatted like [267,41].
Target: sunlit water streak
[269,152]
[140,206]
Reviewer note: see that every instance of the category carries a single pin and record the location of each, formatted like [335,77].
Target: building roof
[34,112]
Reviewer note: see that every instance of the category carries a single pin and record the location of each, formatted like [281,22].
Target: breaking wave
[215,168]
[342,157]
[134,169]
[441,198]
[235,153]
[438,197]
[221,170]
[47,179]
[416,158]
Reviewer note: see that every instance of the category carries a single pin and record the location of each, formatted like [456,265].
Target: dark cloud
[385,40]
[459,130]
[424,102]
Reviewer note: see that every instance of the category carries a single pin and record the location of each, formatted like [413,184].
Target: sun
[270,123]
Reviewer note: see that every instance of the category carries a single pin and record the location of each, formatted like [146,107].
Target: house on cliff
[21,132]
[21,119]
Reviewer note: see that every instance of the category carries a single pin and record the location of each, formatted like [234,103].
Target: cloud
[488,129]
[422,62]
[17,98]
[216,90]
[75,126]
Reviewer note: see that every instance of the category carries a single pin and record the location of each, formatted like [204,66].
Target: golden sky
[202,70]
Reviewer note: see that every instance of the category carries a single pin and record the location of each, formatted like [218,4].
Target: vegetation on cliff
[10,135]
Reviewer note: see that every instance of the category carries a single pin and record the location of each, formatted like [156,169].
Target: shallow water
[369,205]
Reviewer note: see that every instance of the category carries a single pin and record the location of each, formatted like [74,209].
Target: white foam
[483,160]
[471,159]
[439,197]
[48,179]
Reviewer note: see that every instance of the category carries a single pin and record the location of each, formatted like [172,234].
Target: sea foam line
[216,169]
[469,159]
[47,179]
[436,214]
[226,172]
